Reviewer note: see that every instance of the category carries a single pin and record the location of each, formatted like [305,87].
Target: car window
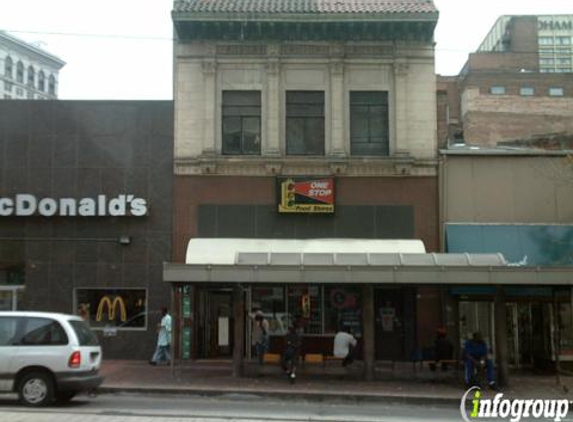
[7,330]
[42,331]
[85,335]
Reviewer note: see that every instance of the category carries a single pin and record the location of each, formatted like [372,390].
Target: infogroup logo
[512,409]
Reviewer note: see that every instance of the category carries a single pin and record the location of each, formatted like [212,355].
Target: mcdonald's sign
[111,308]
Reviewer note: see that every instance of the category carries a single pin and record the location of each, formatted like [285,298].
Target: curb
[286,395]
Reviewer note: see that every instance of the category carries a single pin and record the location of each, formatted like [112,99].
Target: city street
[121,407]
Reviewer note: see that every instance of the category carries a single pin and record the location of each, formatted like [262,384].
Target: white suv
[46,356]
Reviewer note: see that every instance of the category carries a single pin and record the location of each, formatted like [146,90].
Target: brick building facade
[505,93]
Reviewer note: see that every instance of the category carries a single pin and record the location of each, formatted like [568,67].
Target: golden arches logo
[111,304]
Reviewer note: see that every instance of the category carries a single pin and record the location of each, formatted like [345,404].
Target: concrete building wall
[204,70]
[521,190]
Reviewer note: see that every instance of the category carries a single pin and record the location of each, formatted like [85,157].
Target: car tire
[36,389]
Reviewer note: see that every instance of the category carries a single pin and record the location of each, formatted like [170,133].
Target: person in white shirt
[259,335]
[344,346]
[163,350]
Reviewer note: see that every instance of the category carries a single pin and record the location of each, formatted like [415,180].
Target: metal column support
[368,334]
[239,327]
[500,313]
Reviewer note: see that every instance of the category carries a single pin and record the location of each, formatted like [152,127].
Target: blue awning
[527,245]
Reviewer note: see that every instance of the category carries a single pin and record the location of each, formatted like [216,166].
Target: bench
[434,364]
[330,358]
[312,358]
[271,358]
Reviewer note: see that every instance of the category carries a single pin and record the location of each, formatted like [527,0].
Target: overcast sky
[121,49]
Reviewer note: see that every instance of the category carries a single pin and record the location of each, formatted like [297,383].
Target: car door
[8,349]
[44,343]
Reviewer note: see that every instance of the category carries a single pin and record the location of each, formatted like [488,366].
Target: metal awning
[354,268]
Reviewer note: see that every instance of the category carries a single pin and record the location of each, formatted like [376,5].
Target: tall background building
[26,71]
[515,88]
[546,38]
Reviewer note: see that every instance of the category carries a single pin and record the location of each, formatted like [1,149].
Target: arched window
[31,76]
[20,72]
[41,81]
[52,85]
[8,67]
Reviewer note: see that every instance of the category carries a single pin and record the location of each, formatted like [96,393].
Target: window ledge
[398,165]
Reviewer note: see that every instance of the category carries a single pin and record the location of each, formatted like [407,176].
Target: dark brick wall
[79,149]
[523,34]
[498,62]
[366,207]
[448,109]
[514,80]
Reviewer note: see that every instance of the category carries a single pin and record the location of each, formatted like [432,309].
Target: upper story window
[31,76]
[556,92]
[305,122]
[241,122]
[563,40]
[526,91]
[41,81]
[369,128]
[20,72]
[545,40]
[497,90]
[8,67]
[52,85]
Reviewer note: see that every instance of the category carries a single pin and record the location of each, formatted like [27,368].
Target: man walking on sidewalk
[163,350]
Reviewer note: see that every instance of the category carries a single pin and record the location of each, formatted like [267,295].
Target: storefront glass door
[8,299]
[395,323]
[216,324]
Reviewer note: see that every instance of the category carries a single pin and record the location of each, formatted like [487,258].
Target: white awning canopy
[224,251]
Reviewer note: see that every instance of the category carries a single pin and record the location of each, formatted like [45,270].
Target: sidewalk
[213,378]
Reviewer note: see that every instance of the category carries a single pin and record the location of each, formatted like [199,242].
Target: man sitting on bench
[443,350]
[344,346]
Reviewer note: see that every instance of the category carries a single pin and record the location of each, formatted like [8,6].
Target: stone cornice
[399,166]
[31,51]
[307,27]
